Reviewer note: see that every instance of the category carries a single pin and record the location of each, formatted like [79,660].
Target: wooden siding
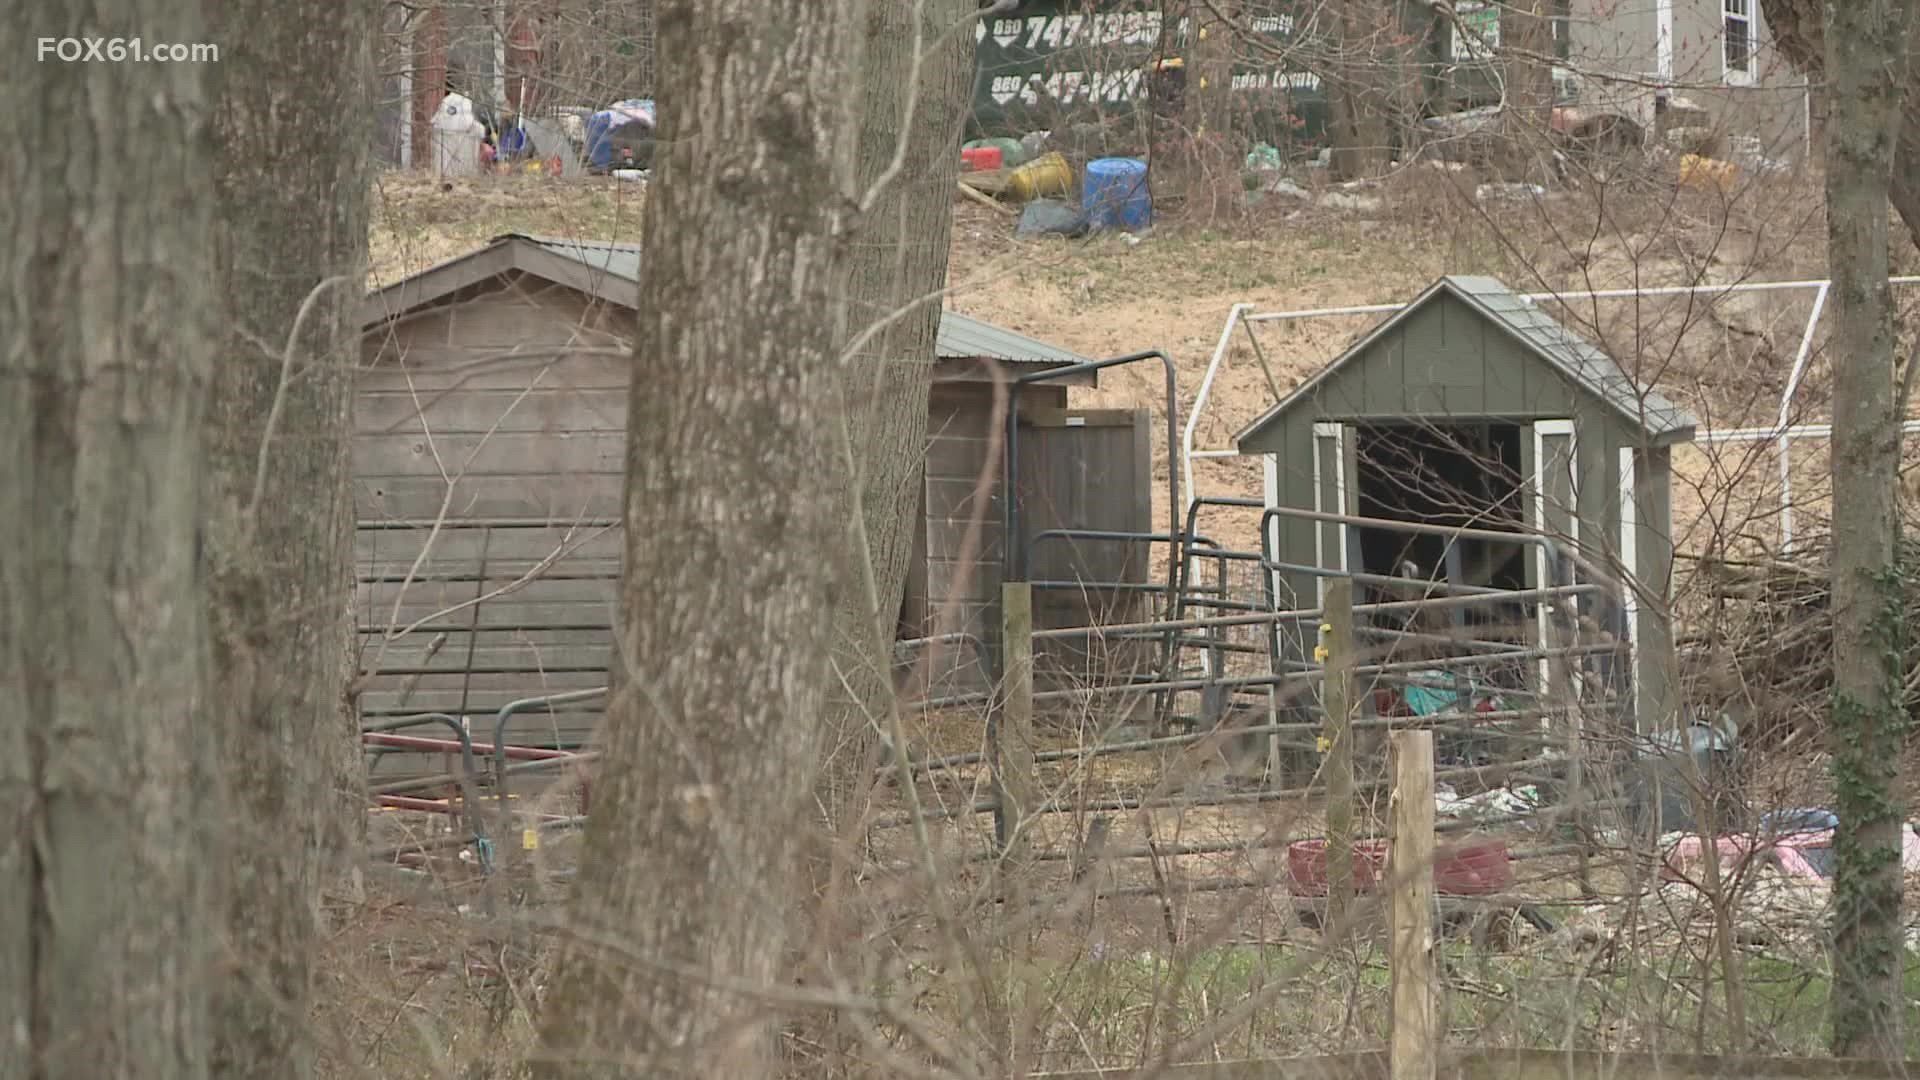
[1771,107]
[1444,362]
[503,417]
[1093,476]
[962,595]
[1087,469]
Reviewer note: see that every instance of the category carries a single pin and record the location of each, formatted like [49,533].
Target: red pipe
[421,742]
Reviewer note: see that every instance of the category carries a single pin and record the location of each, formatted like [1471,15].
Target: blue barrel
[1115,194]
[599,150]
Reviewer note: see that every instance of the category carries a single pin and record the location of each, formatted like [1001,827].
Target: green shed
[1471,407]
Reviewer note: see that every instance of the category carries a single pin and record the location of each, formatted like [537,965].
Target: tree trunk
[689,868]
[428,37]
[1209,68]
[1867,54]
[895,270]
[639,29]
[105,354]
[1798,34]
[1526,38]
[292,182]
[1359,89]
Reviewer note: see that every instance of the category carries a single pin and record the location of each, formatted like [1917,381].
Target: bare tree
[908,159]
[1799,33]
[105,354]
[680,916]
[1867,54]
[1209,61]
[1363,79]
[1527,39]
[292,243]
[897,269]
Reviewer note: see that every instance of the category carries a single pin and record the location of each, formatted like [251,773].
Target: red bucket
[1477,869]
[981,159]
[1307,866]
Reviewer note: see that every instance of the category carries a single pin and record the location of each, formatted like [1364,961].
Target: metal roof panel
[1562,349]
[960,337]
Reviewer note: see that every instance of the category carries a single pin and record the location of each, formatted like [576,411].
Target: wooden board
[987,181]
[1521,1064]
[1087,469]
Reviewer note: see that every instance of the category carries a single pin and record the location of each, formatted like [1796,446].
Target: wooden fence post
[1016,789]
[1414,1049]
[1336,743]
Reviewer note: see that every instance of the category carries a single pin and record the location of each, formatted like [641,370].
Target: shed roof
[1575,358]
[610,272]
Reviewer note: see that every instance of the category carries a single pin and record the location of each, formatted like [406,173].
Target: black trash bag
[632,145]
[1044,217]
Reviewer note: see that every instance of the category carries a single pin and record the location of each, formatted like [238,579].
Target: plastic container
[514,143]
[1307,866]
[600,149]
[457,135]
[1483,868]
[1662,783]
[1044,176]
[1115,194]
[599,152]
[980,158]
[1477,869]
[1012,153]
[1697,171]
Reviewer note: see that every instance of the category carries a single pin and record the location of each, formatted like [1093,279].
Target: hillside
[1727,358]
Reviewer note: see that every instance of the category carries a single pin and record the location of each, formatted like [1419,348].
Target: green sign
[1053,63]
[1476,33]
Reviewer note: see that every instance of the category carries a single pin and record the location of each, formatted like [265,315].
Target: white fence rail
[1244,317]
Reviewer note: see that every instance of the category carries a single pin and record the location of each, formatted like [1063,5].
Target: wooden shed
[489,449]
[1472,407]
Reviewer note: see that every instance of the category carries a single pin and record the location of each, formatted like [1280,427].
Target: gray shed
[493,402]
[1472,407]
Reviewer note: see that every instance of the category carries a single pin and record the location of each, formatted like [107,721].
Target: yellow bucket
[1048,174]
[1697,171]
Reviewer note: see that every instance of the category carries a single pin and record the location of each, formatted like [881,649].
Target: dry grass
[415,988]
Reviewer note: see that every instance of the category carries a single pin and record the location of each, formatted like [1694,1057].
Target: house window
[1736,43]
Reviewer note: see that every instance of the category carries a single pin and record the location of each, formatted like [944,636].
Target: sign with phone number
[1056,61]
[1037,33]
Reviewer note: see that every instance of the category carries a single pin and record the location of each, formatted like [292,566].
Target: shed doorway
[1462,474]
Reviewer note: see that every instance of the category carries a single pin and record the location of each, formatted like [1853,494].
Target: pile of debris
[1779,614]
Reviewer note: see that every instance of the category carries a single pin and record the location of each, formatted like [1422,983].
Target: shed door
[1556,498]
[1335,491]
[1086,469]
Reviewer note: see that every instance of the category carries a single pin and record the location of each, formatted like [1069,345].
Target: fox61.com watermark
[125,50]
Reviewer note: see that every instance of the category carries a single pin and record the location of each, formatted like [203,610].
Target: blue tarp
[1430,693]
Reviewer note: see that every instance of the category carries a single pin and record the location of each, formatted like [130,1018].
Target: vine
[1867,737]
